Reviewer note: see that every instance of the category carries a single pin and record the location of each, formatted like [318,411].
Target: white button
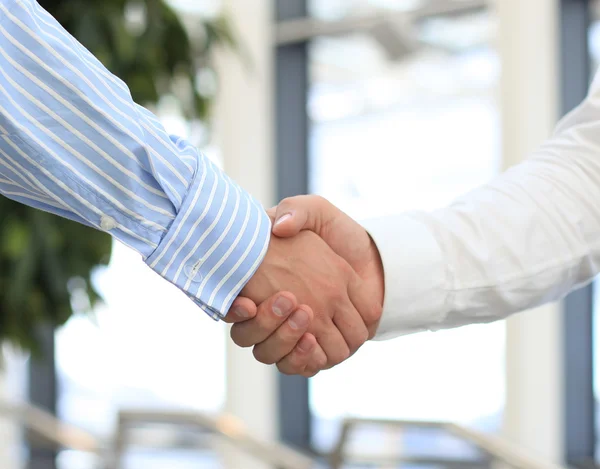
[107,223]
[192,271]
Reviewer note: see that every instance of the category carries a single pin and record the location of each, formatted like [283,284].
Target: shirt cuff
[415,297]
[215,244]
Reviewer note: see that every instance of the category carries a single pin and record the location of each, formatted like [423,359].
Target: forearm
[529,237]
[73,142]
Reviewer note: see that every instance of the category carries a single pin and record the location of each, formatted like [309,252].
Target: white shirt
[529,237]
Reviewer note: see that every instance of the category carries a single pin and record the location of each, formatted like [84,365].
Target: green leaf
[15,239]
[39,252]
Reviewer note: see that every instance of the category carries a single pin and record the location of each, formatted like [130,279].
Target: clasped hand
[318,294]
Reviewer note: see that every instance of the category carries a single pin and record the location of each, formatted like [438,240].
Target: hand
[305,265]
[347,239]
[290,345]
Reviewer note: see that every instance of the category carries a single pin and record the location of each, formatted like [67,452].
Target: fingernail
[283,218]
[282,306]
[299,320]
[241,312]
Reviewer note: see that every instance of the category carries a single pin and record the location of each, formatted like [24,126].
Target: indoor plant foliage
[44,259]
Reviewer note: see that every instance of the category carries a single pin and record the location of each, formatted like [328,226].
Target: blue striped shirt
[73,142]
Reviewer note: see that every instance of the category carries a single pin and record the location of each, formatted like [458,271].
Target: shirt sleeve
[529,237]
[72,142]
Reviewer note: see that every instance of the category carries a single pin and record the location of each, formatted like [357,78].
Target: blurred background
[379,105]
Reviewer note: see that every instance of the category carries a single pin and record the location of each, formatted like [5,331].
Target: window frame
[579,439]
[293,159]
[292,162]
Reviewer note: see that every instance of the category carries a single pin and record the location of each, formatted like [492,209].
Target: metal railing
[294,31]
[495,448]
[48,429]
[228,428]
[231,431]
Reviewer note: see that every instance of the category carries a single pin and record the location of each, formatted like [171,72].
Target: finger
[284,339]
[271,314]
[306,359]
[317,362]
[305,212]
[331,340]
[351,326]
[366,303]
[241,310]
[295,362]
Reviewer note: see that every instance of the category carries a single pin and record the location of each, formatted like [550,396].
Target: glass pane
[395,132]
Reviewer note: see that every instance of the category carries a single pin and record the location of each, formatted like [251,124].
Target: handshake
[317,296]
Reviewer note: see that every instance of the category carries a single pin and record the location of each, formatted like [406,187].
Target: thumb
[291,217]
[304,212]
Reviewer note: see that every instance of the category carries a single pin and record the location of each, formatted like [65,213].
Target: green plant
[144,43]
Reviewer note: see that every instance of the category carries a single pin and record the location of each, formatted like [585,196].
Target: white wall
[528,47]
[12,375]
[244,130]
[7,437]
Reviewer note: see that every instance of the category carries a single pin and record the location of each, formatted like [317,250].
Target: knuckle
[261,356]
[337,296]
[342,353]
[317,199]
[372,315]
[321,320]
[261,327]
[297,362]
[321,363]
[287,201]
[342,265]
[319,359]
[363,337]
[239,338]
[346,268]
[359,338]
[317,363]
[289,369]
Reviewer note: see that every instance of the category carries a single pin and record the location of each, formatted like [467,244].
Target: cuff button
[107,223]
[192,272]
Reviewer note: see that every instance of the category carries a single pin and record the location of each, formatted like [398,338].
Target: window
[345,99]
[403,116]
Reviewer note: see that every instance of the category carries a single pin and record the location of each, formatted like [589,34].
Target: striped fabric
[72,142]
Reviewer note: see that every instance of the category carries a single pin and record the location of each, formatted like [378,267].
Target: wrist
[415,279]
